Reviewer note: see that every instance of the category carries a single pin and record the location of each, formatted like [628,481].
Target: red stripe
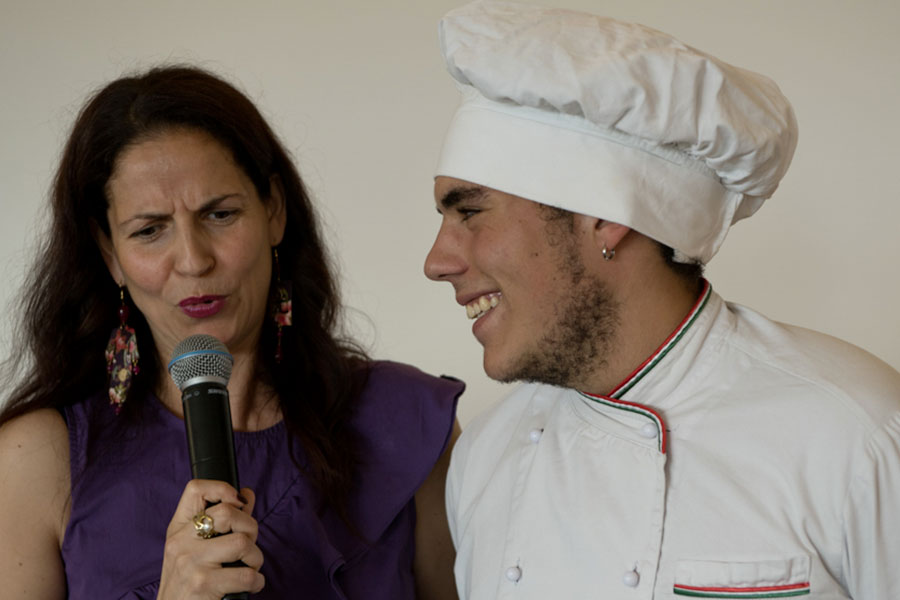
[771,588]
[668,339]
[662,424]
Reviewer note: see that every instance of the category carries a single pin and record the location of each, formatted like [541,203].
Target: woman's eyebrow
[151,216]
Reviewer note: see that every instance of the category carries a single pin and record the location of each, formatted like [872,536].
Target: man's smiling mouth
[481,305]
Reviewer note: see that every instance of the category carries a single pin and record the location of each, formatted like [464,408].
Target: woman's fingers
[227,580]
[199,493]
[192,564]
[229,548]
[227,518]
[213,583]
[247,496]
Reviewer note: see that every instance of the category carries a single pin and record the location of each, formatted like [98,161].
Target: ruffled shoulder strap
[404,420]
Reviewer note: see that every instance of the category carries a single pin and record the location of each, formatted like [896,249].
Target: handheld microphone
[200,367]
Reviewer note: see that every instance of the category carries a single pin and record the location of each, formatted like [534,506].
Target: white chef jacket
[744,459]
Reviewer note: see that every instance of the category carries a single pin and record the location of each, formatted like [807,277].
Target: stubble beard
[579,339]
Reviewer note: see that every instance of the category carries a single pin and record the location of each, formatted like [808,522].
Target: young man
[667,443]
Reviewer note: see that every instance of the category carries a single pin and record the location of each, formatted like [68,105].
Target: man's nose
[445,259]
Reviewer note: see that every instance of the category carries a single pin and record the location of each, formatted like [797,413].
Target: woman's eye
[146,232]
[222,214]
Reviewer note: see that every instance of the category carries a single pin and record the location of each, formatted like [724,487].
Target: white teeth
[478,307]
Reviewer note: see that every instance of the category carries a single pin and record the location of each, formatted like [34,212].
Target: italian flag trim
[772,591]
[614,399]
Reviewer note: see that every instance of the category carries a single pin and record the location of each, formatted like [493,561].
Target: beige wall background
[358,91]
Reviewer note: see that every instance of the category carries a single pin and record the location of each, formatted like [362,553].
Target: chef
[665,443]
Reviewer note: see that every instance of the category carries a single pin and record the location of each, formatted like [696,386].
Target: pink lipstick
[200,307]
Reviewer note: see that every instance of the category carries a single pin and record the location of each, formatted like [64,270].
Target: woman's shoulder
[405,416]
[395,380]
[400,399]
[39,435]
[34,469]
[404,420]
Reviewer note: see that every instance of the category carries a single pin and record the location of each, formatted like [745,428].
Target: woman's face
[191,240]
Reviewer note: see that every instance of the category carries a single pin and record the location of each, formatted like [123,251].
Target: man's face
[518,267]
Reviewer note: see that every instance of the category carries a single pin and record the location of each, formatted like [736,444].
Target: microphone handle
[207,417]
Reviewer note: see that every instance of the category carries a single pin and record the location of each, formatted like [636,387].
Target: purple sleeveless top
[123,501]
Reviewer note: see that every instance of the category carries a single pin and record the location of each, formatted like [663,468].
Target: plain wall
[358,91]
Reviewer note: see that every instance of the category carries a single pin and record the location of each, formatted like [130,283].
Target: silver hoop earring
[608,254]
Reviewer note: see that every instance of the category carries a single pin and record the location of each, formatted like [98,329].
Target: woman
[176,211]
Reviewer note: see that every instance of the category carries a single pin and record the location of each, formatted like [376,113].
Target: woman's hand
[192,566]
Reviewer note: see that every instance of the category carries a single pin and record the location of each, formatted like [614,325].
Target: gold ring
[203,523]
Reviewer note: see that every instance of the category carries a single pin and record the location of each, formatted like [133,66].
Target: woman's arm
[433,564]
[34,494]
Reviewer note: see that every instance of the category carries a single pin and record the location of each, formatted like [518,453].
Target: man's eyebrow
[461,194]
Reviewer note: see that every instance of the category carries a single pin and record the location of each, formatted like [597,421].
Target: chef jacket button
[631,578]
[514,574]
[649,430]
[535,435]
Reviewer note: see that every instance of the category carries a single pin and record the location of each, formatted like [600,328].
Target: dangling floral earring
[121,357]
[282,309]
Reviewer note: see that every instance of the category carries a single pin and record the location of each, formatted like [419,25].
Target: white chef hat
[612,119]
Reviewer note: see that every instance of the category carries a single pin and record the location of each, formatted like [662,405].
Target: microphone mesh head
[199,355]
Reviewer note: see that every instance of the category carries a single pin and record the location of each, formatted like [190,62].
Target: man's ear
[108,251]
[608,234]
[601,233]
[277,211]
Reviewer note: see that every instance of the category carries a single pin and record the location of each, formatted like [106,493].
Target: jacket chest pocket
[763,579]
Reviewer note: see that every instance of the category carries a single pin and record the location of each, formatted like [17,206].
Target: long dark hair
[70,303]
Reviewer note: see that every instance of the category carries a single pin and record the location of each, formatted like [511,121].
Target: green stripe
[637,411]
[787,594]
[665,350]
[632,409]
[640,375]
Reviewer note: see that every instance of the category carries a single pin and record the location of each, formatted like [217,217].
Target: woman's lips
[202,306]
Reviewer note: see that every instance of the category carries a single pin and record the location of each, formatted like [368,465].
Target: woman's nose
[195,254]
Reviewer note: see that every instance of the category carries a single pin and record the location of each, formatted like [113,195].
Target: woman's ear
[108,251]
[277,211]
